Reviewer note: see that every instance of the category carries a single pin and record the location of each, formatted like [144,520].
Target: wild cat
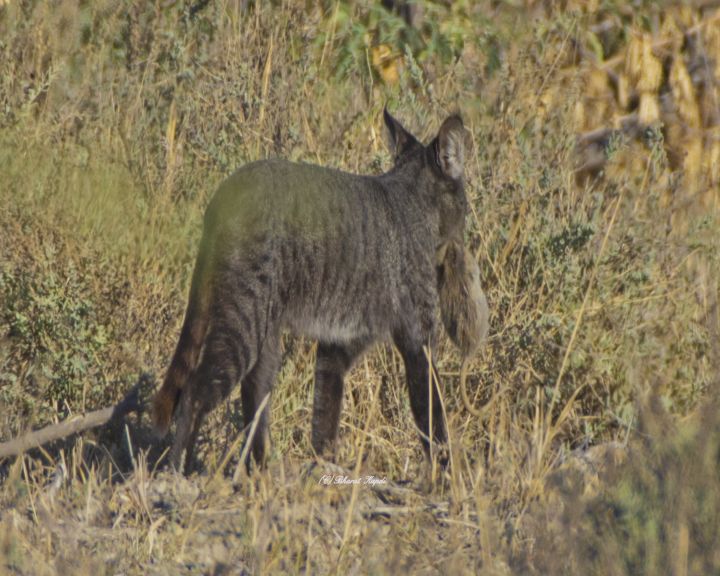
[345,259]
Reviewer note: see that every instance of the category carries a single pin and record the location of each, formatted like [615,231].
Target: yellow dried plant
[386,63]
[684,93]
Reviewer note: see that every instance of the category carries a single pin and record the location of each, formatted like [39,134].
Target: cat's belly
[335,330]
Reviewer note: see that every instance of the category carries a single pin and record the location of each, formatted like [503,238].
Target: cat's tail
[188,348]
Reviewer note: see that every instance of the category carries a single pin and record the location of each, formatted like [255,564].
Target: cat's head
[440,167]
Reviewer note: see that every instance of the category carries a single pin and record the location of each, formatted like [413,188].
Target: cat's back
[301,199]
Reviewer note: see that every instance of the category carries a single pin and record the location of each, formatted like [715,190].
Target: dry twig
[134,401]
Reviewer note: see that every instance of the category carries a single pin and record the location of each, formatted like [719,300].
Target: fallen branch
[134,401]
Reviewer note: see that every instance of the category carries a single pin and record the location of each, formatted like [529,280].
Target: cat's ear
[400,139]
[451,147]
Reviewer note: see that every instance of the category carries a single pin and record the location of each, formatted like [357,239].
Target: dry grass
[594,189]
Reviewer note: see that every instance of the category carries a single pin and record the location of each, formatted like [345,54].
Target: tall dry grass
[593,186]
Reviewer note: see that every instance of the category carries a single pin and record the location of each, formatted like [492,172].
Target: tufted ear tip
[453,122]
[387,117]
[400,139]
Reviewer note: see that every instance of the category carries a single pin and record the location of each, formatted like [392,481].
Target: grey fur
[346,259]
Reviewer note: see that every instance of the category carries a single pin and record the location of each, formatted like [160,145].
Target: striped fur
[346,259]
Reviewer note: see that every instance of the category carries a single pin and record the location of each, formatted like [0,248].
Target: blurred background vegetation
[594,183]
